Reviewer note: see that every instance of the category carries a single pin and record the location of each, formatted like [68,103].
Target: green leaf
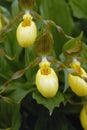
[56,13]
[51,103]
[5,12]
[8,100]
[9,116]
[5,70]
[84,50]
[9,0]
[16,119]
[73,46]
[79,8]
[29,57]
[19,91]
[57,10]
[13,49]
[14,8]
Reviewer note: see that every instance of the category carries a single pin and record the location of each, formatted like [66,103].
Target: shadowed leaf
[10,118]
[50,103]
[19,91]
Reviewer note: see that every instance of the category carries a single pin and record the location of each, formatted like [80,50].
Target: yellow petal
[78,85]
[83,117]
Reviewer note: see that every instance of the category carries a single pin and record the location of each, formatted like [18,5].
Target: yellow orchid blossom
[46,80]
[83,117]
[77,82]
[26,31]
[0,25]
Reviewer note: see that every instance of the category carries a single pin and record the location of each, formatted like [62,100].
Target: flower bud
[77,82]
[46,80]
[26,31]
[83,117]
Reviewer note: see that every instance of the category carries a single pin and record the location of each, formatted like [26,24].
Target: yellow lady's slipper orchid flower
[26,31]
[46,80]
[83,117]
[77,82]
[0,25]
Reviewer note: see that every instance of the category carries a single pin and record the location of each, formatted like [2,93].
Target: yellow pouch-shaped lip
[46,80]
[77,83]
[26,31]
[83,117]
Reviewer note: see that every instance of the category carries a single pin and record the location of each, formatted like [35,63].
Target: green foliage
[49,103]
[58,13]
[59,121]
[16,91]
[79,8]
[10,116]
[22,107]
[73,47]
